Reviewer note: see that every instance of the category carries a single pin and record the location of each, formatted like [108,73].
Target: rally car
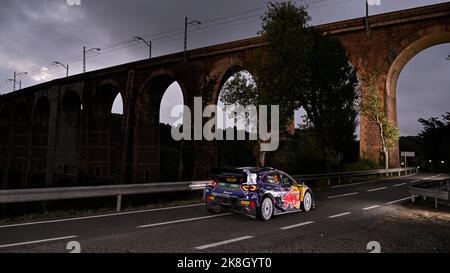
[256,192]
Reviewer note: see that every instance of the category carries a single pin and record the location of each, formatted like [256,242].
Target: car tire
[307,203]
[265,211]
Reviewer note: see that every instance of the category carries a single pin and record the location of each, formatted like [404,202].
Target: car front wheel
[307,202]
[266,209]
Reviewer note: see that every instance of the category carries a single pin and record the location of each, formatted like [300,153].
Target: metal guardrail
[50,194]
[339,176]
[439,190]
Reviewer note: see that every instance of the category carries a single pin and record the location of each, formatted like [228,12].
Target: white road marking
[184,220]
[372,207]
[369,182]
[342,195]
[339,215]
[38,241]
[377,189]
[297,225]
[398,185]
[224,242]
[99,216]
[398,201]
[415,181]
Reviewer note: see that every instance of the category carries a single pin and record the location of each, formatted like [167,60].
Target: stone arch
[104,135]
[411,46]
[147,144]
[68,132]
[224,70]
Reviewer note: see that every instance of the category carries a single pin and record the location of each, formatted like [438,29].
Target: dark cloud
[35,33]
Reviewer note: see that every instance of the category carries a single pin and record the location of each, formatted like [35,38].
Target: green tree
[300,67]
[330,97]
[435,141]
[372,108]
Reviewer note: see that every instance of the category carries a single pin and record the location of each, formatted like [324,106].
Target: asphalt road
[346,220]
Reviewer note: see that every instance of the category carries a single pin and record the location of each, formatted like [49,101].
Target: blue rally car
[256,192]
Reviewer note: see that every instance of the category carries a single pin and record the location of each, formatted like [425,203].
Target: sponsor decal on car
[291,198]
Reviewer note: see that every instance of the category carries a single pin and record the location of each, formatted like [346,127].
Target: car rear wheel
[265,211]
[307,202]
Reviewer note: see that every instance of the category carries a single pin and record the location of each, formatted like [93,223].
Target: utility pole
[84,59]
[367,17]
[63,65]
[148,43]
[14,80]
[84,56]
[185,33]
[186,25]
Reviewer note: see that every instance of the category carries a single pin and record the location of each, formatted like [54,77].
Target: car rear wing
[229,175]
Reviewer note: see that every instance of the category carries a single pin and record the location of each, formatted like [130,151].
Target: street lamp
[63,65]
[84,55]
[186,24]
[14,80]
[149,44]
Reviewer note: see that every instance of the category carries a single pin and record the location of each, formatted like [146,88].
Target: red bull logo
[291,199]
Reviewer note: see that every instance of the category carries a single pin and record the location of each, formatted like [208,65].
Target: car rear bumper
[236,204]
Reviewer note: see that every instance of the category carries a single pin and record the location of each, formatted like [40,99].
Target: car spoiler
[230,175]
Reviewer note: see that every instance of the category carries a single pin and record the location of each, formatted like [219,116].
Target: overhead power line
[223,21]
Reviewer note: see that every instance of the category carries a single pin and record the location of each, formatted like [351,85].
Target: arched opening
[400,62]
[159,156]
[39,143]
[68,140]
[105,135]
[170,154]
[404,57]
[240,152]
[19,154]
[422,93]
[5,133]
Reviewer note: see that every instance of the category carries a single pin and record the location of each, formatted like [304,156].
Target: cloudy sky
[34,33]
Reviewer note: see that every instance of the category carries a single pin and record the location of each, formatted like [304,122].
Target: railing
[438,190]
[338,177]
[49,194]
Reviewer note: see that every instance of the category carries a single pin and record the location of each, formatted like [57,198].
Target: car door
[290,193]
[272,186]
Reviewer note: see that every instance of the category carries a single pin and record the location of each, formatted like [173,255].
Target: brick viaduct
[63,130]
